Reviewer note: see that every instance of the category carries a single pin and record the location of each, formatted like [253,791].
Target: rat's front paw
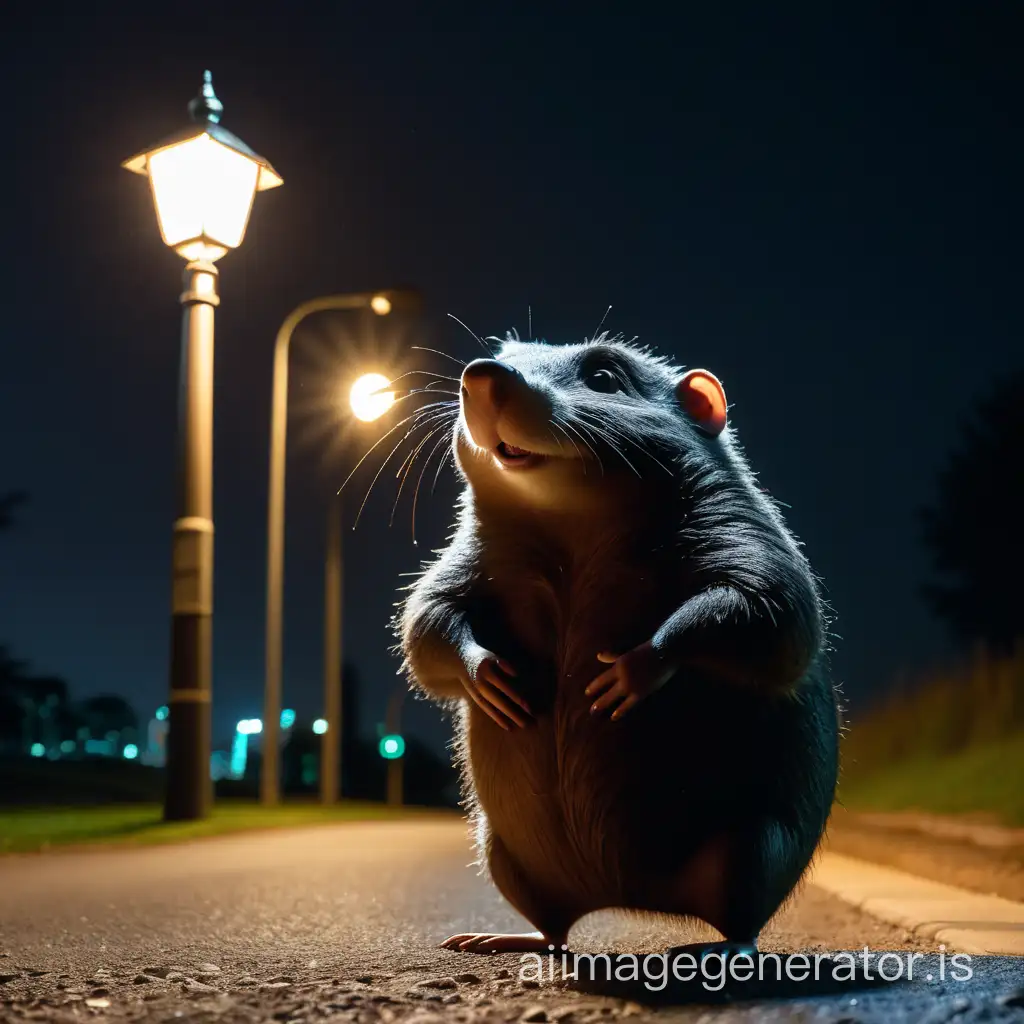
[632,676]
[488,684]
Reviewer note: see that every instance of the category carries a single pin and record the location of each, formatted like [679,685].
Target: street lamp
[381,303]
[203,179]
[392,748]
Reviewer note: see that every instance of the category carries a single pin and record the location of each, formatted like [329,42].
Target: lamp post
[203,180]
[381,303]
[392,748]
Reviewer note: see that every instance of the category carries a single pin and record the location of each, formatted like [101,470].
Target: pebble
[191,985]
[530,983]
[364,979]
[503,973]
[162,972]
[467,979]
[97,1003]
[247,982]
[453,997]
[100,991]
[208,969]
[442,983]
[142,979]
[533,1015]
[175,976]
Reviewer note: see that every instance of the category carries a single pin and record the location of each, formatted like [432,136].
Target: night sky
[821,207]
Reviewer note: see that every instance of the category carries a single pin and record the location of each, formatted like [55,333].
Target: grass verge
[984,779]
[34,829]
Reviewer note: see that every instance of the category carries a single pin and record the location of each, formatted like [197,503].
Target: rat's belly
[572,796]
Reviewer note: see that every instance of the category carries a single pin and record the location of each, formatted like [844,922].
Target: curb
[965,921]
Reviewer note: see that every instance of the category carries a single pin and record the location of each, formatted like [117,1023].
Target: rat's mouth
[514,457]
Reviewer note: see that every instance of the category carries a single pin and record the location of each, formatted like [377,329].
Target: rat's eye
[604,381]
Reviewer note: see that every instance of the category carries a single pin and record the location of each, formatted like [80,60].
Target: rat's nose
[487,382]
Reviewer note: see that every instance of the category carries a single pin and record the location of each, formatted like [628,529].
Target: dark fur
[709,798]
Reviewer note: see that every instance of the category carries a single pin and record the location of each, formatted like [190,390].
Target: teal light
[320,726]
[38,750]
[287,718]
[130,751]
[391,747]
[162,712]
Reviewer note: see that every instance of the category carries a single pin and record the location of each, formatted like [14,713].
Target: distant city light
[38,750]
[99,747]
[162,712]
[130,751]
[249,726]
[239,754]
[381,305]
[220,766]
[67,747]
[391,747]
[287,718]
[320,726]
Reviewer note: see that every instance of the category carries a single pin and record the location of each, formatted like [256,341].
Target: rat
[635,646]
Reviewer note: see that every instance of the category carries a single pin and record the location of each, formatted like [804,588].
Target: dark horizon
[819,209]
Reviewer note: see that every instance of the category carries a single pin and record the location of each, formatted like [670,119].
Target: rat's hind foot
[486,942]
[725,950]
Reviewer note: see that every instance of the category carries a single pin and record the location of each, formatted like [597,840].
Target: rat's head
[565,426]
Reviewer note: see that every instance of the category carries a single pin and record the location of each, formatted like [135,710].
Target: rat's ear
[701,396]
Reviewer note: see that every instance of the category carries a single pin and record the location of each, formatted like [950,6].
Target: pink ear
[702,398]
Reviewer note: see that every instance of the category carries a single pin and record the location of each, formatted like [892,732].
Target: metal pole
[270,782]
[395,770]
[331,740]
[189,790]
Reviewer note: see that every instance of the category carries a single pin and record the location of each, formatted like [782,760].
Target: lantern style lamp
[203,181]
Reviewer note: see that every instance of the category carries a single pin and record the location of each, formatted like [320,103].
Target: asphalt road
[341,923]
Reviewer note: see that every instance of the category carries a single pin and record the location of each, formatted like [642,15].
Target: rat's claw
[608,698]
[494,679]
[485,707]
[607,678]
[487,942]
[631,701]
[490,693]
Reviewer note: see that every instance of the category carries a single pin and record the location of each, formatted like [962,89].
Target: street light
[392,748]
[381,303]
[203,179]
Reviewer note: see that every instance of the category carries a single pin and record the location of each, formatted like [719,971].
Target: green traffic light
[391,747]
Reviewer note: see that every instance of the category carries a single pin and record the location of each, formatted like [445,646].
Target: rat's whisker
[381,470]
[599,432]
[427,373]
[410,461]
[384,437]
[438,352]
[448,453]
[479,340]
[568,424]
[594,337]
[558,423]
[426,462]
[623,435]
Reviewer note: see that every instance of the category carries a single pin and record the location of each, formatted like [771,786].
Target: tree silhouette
[975,529]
